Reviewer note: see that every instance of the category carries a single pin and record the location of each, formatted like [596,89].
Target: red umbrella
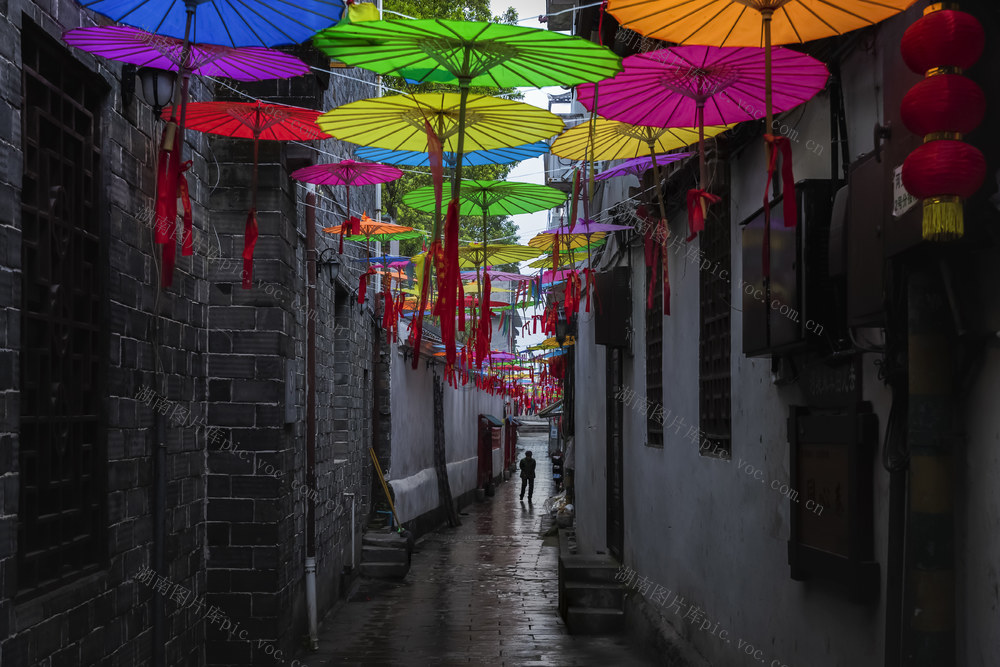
[252,120]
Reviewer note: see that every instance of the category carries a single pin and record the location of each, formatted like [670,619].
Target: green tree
[497,227]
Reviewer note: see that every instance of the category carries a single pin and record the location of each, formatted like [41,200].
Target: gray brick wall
[235,534]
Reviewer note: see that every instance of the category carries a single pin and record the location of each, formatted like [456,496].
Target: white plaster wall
[412,475]
[590,440]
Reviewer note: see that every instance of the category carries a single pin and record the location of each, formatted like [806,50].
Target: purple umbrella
[138,47]
[638,165]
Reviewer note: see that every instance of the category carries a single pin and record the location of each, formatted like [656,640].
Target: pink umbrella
[638,165]
[348,173]
[138,47]
[686,86]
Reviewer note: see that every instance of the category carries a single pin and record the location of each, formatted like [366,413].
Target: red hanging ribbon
[461,306]
[187,245]
[789,204]
[167,175]
[696,217]
[435,154]
[249,242]
[363,284]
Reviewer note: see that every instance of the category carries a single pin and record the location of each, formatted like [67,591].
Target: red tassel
[166,183]
[249,242]
[461,306]
[450,280]
[435,154]
[418,319]
[789,204]
[187,245]
[363,285]
[696,217]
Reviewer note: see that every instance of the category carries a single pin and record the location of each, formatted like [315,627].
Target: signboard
[902,201]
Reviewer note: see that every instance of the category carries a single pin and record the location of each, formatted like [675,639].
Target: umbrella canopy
[614,140]
[370,228]
[492,198]
[471,53]
[469,159]
[252,120]
[396,122]
[567,241]
[475,254]
[565,259]
[734,23]
[668,87]
[138,47]
[227,22]
[347,172]
[499,275]
[639,165]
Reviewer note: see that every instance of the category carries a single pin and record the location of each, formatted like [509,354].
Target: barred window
[61,520]
[654,359]
[714,373]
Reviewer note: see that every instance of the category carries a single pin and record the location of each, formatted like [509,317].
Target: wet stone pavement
[484,593]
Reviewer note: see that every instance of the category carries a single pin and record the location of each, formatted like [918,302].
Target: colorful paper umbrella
[138,47]
[492,198]
[369,228]
[694,85]
[469,159]
[568,241]
[587,227]
[639,165]
[258,121]
[499,275]
[759,23]
[227,22]
[347,173]
[614,140]
[396,122]
[469,53]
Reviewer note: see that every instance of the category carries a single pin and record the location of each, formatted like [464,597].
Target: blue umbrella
[228,22]
[472,159]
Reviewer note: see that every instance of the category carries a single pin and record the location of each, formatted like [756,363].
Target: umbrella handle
[464,84]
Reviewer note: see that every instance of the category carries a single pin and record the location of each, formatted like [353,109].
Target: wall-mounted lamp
[157,87]
[561,327]
[329,261]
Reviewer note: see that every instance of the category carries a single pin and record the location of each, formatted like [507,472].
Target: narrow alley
[483,593]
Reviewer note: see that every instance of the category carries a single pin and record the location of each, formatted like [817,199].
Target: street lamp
[157,87]
[328,259]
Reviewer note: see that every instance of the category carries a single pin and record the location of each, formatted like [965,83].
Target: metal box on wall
[795,305]
[614,307]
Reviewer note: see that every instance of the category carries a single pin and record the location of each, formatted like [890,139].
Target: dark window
[654,359]
[714,374]
[61,532]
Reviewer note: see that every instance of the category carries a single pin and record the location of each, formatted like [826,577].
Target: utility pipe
[311,419]
[353,524]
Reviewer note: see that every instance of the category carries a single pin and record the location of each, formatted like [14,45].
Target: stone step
[384,570]
[584,621]
[384,539]
[393,554]
[583,570]
[596,595]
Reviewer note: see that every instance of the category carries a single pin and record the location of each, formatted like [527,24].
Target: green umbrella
[492,198]
[469,53]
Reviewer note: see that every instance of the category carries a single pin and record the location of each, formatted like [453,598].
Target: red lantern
[943,103]
[942,107]
[943,38]
[944,167]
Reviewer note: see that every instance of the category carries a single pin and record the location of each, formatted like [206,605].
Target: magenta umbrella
[348,173]
[636,166]
[685,86]
[138,47]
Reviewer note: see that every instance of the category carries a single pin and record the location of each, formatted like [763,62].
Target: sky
[533,170]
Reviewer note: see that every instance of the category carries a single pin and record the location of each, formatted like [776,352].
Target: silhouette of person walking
[527,467]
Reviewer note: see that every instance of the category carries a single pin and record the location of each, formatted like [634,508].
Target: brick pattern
[235,534]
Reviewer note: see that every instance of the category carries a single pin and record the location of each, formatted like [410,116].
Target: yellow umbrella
[550,343]
[613,140]
[565,259]
[475,254]
[397,122]
[567,241]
